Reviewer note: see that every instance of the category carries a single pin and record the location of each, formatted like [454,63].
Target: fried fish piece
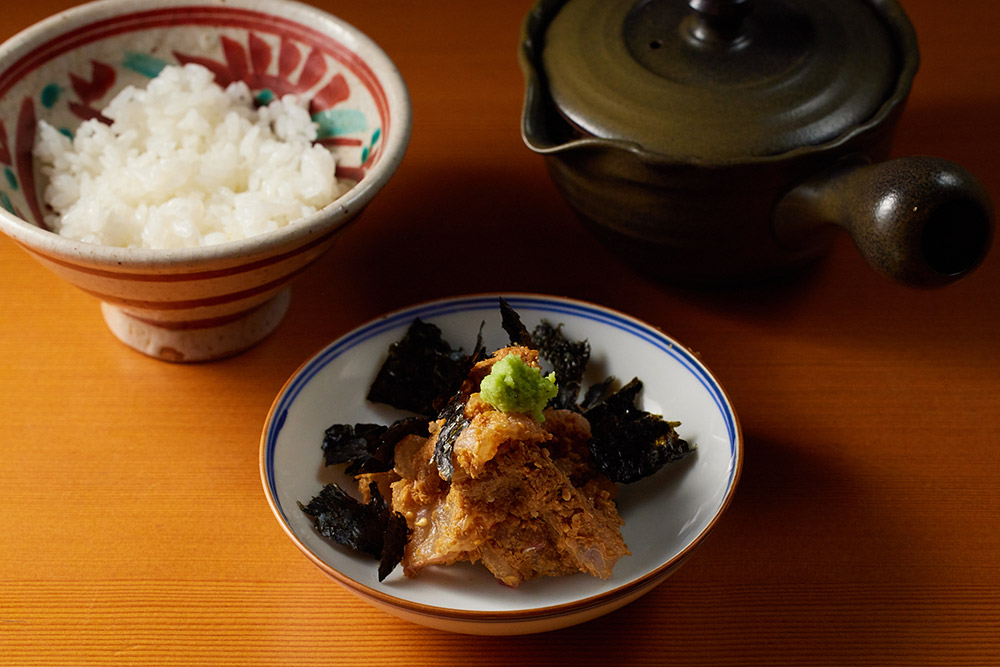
[523,499]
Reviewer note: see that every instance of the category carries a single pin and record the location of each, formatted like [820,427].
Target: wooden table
[865,531]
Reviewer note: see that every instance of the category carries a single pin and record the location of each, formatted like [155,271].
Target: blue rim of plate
[522,303]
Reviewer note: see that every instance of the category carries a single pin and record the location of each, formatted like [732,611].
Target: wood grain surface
[865,531]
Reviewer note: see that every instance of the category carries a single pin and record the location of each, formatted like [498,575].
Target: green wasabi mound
[514,386]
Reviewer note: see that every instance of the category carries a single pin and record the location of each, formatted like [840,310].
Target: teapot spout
[922,221]
[542,129]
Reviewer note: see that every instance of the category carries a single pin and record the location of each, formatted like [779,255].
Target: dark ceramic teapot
[713,141]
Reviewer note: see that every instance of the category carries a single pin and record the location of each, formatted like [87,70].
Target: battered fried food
[523,499]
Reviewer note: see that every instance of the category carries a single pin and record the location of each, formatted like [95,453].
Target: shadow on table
[809,565]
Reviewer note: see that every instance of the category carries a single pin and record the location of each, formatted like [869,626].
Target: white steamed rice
[185,163]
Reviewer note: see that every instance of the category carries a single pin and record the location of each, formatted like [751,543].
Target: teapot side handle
[922,221]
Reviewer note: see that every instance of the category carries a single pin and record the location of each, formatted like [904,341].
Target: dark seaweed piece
[357,445]
[453,415]
[421,371]
[569,361]
[597,393]
[615,405]
[370,528]
[512,324]
[344,519]
[478,352]
[401,428]
[454,422]
[397,534]
[628,443]
[368,448]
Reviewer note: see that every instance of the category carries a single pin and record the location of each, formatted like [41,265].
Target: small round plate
[666,515]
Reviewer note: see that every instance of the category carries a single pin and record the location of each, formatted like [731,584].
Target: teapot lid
[719,80]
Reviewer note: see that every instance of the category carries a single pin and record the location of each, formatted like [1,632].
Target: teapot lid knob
[718,21]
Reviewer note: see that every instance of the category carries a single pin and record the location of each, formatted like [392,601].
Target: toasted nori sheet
[423,374]
[371,528]
[368,448]
[421,371]
[454,423]
[511,322]
[397,534]
[628,443]
[569,361]
[597,393]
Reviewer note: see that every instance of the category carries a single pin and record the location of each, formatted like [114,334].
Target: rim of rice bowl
[331,216]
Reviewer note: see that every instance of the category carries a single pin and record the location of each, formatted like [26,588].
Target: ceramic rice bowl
[208,302]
